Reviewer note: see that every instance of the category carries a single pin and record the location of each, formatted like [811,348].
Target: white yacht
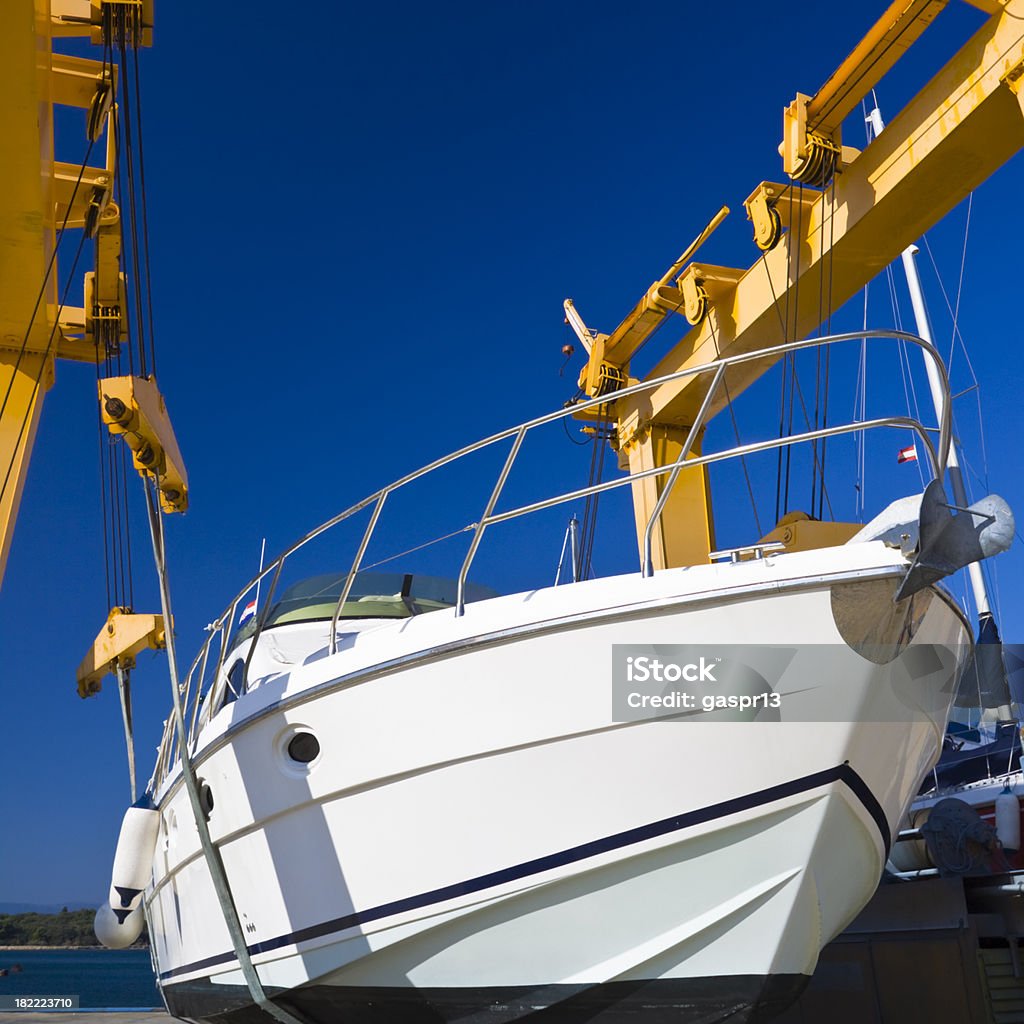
[430,802]
[660,791]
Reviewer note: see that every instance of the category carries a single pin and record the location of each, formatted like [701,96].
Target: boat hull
[480,836]
[731,998]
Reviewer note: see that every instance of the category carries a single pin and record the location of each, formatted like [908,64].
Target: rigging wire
[588,530]
[114,467]
[906,371]
[565,427]
[828,348]
[859,415]
[796,389]
[817,357]
[419,547]
[792,274]
[782,397]
[955,312]
[739,441]
[975,386]
[103,445]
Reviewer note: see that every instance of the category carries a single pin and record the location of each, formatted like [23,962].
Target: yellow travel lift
[843,211]
[41,198]
[845,215]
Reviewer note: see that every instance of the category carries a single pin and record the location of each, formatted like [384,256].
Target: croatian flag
[905,455]
[247,612]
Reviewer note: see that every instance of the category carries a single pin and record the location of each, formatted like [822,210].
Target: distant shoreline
[21,949]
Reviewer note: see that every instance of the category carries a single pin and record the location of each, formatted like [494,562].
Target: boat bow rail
[209,663]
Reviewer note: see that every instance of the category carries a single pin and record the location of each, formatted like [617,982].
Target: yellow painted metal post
[685,533]
[17,432]
[26,242]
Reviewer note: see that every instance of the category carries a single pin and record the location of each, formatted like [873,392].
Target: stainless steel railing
[195,688]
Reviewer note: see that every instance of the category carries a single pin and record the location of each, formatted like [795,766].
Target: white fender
[911,854]
[115,934]
[133,861]
[1008,820]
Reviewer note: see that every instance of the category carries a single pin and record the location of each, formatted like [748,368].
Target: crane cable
[588,530]
[125,24]
[113,457]
[791,389]
[211,854]
[123,31]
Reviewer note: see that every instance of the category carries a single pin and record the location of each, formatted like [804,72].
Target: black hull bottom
[741,999]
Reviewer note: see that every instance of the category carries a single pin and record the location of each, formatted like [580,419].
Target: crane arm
[39,197]
[966,123]
[962,126]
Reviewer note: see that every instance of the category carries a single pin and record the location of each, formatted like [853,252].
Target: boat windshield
[373,595]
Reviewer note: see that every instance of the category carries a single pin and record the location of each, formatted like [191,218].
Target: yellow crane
[855,211]
[844,213]
[41,198]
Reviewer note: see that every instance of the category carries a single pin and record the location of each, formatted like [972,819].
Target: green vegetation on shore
[68,928]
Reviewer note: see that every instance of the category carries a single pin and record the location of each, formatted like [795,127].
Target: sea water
[111,978]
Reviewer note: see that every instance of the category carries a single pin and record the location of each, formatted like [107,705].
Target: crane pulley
[866,209]
[44,200]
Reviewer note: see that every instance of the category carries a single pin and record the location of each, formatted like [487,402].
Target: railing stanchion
[199,689]
[356,562]
[460,598]
[261,621]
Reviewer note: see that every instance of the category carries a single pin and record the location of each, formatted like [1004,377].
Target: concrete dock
[88,1017]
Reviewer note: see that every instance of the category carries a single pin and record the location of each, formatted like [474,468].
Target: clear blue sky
[362,231]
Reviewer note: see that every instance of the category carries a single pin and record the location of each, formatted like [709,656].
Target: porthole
[303,748]
[297,750]
[205,799]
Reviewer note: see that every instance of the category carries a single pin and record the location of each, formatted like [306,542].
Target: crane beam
[889,39]
[962,126]
[27,232]
[40,197]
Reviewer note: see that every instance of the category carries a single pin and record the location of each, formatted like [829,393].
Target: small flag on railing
[907,454]
[248,611]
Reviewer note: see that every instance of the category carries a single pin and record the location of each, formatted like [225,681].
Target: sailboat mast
[956,477]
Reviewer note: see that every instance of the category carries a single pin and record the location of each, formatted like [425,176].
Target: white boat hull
[479,837]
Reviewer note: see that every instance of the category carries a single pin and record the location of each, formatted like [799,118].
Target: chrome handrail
[356,562]
[730,453]
[478,533]
[222,627]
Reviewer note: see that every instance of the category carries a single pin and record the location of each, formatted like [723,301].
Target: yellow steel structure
[40,195]
[963,125]
[133,408]
[123,637]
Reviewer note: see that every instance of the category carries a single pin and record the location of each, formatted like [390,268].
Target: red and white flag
[247,611]
[907,454]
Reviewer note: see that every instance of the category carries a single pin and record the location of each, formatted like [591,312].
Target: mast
[956,478]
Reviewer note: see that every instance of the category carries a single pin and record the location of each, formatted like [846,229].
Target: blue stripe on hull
[841,773]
